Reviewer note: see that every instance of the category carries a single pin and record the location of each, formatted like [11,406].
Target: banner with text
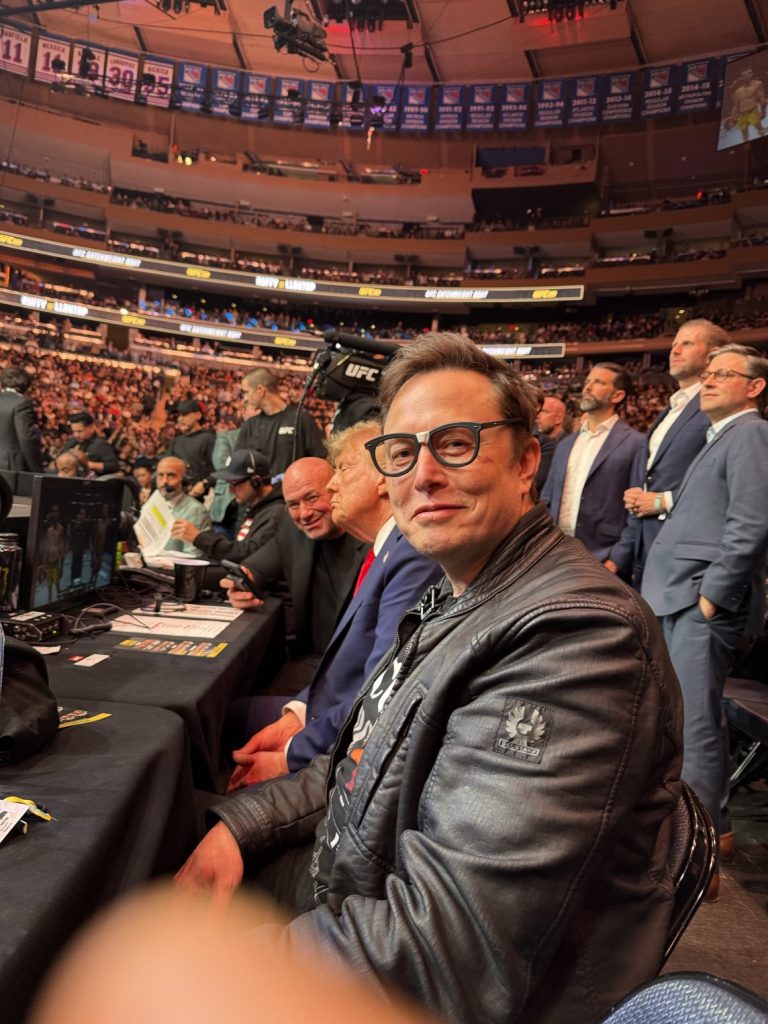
[189,90]
[584,99]
[449,113]
[481,108]
[383,106]
[255,97]
[515,106]
[698,81]
[52,60]
[224,92]
[659,91]
[289,95]
[89,64]
[156,82]
[414,113]
[619,97]
[352,107]
[317,112]
[122,75]
[15,50]
[550,103]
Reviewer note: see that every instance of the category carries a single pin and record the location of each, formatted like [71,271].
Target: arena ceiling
[453,40]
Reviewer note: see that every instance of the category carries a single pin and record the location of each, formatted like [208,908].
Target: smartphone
[239,577]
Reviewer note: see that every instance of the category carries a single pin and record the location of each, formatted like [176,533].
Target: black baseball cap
[191,405]
[245,463]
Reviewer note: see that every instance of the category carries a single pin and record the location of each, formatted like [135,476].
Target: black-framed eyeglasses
[722,375]
[453,444]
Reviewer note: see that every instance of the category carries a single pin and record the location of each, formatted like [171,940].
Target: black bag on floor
[29,714]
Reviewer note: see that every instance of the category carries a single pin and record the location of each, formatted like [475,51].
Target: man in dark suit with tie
[591,469]
[705,573]
[674,439]
[19,436]
[392,580]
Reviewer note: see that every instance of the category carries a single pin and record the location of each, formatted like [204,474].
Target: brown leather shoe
[712,895]
[727,847]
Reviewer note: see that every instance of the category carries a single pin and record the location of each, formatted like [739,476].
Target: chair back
[692,861]
[690,999]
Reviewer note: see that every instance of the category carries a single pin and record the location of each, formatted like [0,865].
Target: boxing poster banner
[189,90]
[317,113]
[659,91]
[481,109]
[696,91]
[156,82]
[255,101]
[583,101]
[449,113]
[515,105]
[224,91]
[550,103]
[289,107]
[52,59]
[15,50]
[88,66]
[618,98]
[414,113]
[383,106]
[122,75]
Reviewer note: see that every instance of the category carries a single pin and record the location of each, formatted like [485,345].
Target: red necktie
[363,571]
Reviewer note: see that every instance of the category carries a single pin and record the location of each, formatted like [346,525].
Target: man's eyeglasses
[454,445]
[722,375]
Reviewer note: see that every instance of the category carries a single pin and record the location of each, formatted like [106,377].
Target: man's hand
[215,867]
[642,503]
[258,767]
[198,490]
[183,529]
[271,738]
[611,566]
[707,608]
[242,599]
[81,456]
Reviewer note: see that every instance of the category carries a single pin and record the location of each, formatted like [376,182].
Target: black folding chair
[692,862]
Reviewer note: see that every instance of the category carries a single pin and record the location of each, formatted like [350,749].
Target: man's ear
[529,460]
[381,486]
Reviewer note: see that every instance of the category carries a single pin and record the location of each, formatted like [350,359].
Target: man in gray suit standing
[705,572]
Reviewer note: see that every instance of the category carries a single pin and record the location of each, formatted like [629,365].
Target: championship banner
[122,75]
[449,113]
[619,98]
[255,90]
[514,106]
[659,91]
[224,91]
[289,94]
[317,112]
[584,100]
[52,58]
[384,106]
[481,109]
[156,82]
[352,107]
[414,112]
[189,90]
[15,50]
[89,64]
[550,103]
[698,79]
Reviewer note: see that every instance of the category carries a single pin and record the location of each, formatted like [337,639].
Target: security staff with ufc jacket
[491,831]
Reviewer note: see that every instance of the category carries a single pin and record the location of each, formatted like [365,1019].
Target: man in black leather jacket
[492,830]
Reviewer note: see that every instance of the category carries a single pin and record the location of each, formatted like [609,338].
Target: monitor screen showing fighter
[745,101]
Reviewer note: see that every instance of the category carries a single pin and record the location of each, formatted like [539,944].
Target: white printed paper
[141,624]
[10,813]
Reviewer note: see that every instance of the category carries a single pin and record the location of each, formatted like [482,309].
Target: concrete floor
[730,938]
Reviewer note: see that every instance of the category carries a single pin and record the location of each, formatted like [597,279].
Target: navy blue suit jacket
[394,583]
[676,452]
[602,515]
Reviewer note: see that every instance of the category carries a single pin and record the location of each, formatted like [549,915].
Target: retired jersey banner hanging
[352,107]
[224,91]
[584,100]
[619,98]
[15,50]
[514,106]
[89,64]
[255,100]
[156,82]
[189,90]
[383,106]
[414,113]
[449,113]
[122,74]
[481,108]
[319,100]
[550,103]
[288,101]
[52,60]
[698,81]
[659,92]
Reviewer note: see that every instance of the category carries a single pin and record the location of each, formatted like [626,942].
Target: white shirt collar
[601,428]
[683,396]
[383,534]
[715,428]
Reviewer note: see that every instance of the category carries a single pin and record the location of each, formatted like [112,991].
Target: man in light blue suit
[591,469]
[675,437]
[705,573]
[391,581]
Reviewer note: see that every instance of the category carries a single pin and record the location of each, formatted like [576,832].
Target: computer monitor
[72,541]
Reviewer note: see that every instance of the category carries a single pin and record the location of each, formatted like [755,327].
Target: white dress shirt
[583,454]
[715,428]
[677,402]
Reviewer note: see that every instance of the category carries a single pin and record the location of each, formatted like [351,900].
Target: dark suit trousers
[702,654]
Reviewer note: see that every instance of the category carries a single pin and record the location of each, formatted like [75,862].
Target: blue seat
[690,999]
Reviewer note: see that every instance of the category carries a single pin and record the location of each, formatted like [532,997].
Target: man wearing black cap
[193,443]
[260,508]
[96,455]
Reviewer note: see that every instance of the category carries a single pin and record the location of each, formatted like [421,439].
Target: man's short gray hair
[756,365]
[337,442]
